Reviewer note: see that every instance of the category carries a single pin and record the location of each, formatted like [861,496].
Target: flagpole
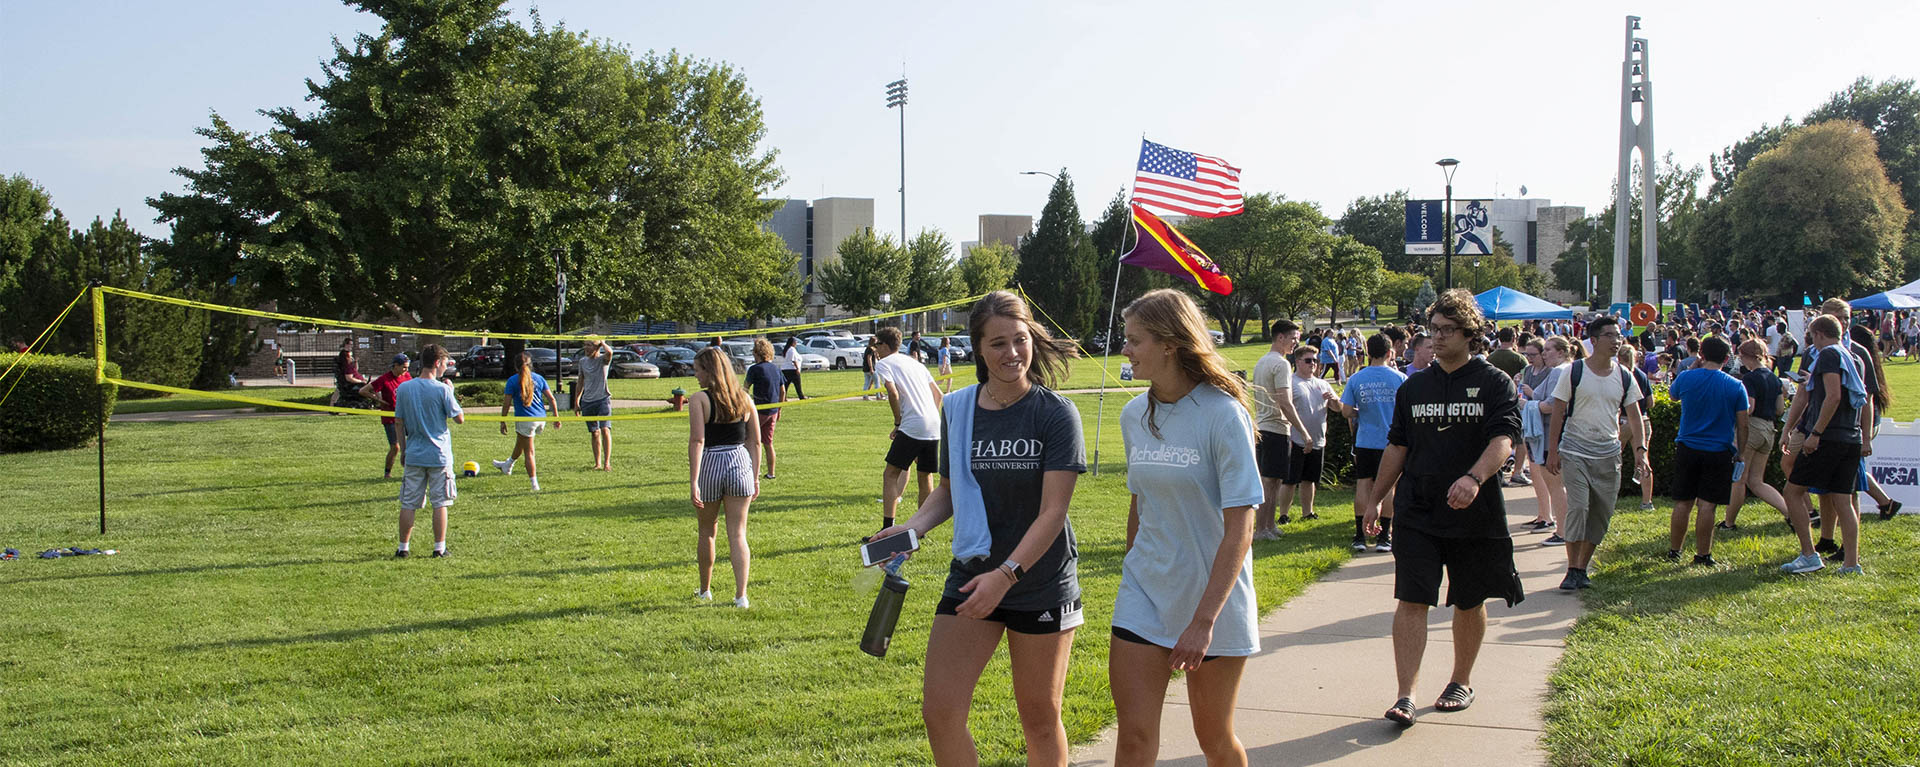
[1100,416]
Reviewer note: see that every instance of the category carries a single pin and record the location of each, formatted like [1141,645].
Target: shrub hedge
[55,405]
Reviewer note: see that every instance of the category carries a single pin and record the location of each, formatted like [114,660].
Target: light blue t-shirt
[1371,391]
[535,409]
[1709,401]
[1329,350]
[424,405]
[1201,463]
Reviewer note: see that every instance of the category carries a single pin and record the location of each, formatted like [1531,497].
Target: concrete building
[1004,229]
[813,231]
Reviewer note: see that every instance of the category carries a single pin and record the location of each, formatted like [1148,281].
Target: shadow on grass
[454,624]
[759,554]
[262,486]
[683,507]
[177,570]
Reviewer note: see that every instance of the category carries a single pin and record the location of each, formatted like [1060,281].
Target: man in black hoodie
[1454,424]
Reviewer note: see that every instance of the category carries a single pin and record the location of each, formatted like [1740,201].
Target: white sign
[1895,462]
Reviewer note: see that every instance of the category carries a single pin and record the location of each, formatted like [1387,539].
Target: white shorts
[726,470]
[426,484]
[529,428]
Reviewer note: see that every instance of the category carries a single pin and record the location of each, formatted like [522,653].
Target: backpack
[1627,384]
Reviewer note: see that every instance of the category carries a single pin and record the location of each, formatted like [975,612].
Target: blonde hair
[729,400]
[762,349]
[1573,352]
[1049,354]
[526,379]
[1173,319]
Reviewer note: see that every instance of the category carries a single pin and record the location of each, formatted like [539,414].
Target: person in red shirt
[381,390]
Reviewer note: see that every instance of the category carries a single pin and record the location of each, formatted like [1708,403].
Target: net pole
[100,382]
[1113,303]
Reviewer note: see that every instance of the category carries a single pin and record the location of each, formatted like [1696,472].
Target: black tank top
[724,434]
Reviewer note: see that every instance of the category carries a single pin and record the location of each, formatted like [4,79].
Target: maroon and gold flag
[1162,248]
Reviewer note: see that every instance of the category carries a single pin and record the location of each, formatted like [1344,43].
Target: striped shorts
[726,470]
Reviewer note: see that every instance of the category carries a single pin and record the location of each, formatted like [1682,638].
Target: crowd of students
[1444,413]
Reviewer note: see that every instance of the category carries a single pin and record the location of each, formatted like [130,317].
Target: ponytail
[526,379]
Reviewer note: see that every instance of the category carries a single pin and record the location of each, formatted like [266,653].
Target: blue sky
[1317,101]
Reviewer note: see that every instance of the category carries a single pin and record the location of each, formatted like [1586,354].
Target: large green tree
[1270,251]
[987,268]
[453,156]
[1058,266]
[1112,237]
[931,273]
[870,272]
[1381,222]
[1817,215]
[1346,271]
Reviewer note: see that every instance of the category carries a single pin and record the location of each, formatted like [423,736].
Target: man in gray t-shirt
[591,398]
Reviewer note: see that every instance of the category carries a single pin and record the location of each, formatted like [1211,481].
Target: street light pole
[1446,166]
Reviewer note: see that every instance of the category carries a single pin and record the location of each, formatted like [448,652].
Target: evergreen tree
[1057,264]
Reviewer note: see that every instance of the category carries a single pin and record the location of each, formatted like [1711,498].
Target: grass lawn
[1903,379]
[1740,664]
[254,614]
[311,395]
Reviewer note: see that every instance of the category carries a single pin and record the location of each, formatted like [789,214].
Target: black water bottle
[886,613]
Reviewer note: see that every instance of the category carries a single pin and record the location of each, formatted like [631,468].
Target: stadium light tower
[897,97]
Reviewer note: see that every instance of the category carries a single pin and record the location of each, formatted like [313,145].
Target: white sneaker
[740,602]
[704,596]
[536,484]
[505,467]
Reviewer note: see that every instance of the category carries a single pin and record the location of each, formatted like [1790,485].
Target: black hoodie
[1445,421]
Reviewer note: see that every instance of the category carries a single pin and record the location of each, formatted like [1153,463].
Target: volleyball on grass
[470,469]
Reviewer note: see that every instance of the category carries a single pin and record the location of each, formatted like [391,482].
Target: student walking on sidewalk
[1583,445]
[1454,424]
[1186,600]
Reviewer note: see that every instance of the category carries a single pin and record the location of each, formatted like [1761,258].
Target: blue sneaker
[1803,564]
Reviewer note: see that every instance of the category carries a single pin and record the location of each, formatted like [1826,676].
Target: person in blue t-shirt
[527,397]
[1367,402]
[767,386]
[1330,356]
[1713,424]
[421,407]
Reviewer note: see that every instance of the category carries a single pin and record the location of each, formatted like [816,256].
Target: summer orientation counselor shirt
[534,409]
[1201,463]
[424,405]
[1445,421]
[1272,381]
[1013,448]
[1709,401]
[1372,390]
[919,413]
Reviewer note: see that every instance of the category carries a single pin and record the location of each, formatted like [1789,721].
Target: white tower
[1636,86]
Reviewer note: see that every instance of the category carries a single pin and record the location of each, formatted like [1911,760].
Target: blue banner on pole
[1426,227]
[1670,290]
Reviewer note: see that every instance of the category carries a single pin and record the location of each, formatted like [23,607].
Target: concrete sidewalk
[1315,693]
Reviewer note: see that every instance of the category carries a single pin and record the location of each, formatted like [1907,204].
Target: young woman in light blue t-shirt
[1186,599]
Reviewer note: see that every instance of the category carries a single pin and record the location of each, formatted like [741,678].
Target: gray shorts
[1593,486]
[724,471]
[426,484]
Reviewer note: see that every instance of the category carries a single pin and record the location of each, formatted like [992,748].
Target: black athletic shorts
[1832,465]
[1702,475]
[1128,636]
[1366,463]
[1050,621]
[1305,466]
[1272,453]
[905,451]
[1477,569]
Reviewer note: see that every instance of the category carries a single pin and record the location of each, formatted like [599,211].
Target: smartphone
[879,551]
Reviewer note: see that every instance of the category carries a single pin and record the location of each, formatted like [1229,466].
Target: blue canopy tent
[1504,303]
[1887,300]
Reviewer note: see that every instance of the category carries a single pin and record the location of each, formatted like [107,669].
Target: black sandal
[1402,712]
[1457,697]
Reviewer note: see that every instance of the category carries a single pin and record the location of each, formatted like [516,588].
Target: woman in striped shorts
[723,454]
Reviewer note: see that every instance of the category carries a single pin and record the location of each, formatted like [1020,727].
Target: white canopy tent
[1909,289]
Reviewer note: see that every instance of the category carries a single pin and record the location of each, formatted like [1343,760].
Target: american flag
[1186,183]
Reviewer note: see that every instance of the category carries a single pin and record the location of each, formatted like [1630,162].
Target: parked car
[810,361]
[741,352]
[963,348]
[840,351]
[1218,337]
[482,362]
[930,349]
[544,363]
[627,364]
[831,332]
[671,361]
[640,348]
